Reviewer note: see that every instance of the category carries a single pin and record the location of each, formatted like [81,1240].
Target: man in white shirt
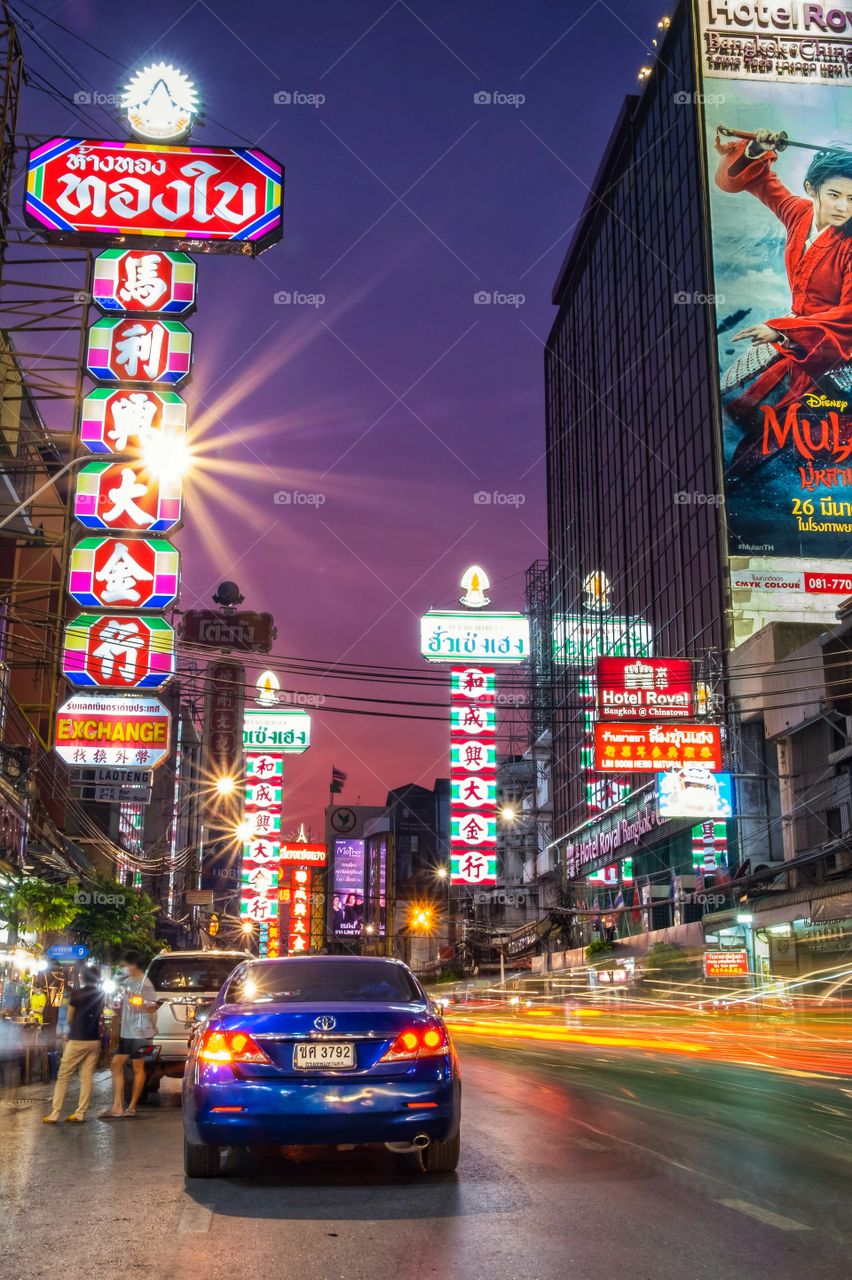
[136,1034]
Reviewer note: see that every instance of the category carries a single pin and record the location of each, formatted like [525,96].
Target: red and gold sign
[726,964]
[628,748]
[299,910]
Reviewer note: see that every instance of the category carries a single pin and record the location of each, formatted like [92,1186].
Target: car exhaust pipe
[417,1143]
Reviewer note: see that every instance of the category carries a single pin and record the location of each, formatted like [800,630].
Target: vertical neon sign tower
[474,641]
[269,733]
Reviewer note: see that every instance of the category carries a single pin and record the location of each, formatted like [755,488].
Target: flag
[596,910]
[338,777]
[636,913]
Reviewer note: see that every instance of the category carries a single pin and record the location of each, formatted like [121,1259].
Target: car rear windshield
[323,982]
[193,973]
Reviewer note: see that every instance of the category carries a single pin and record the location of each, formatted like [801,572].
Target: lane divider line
[766,1216]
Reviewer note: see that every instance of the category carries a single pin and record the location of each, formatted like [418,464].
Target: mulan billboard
[777,109]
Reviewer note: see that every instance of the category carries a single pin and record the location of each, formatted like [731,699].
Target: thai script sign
[81,191]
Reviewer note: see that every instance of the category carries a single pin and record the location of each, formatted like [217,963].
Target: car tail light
[418,1042]
[231,1046]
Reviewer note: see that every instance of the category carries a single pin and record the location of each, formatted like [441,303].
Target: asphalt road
[576,1163]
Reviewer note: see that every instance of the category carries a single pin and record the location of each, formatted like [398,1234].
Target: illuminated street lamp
[248,927]
[508,813]
[226,785]
[421,919]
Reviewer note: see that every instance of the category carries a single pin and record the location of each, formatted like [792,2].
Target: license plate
[324,1055]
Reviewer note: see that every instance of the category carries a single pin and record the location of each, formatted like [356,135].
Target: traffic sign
[108,729]
[139,349]
[109,651]
[67,952]
[114,421]
[85,191]
[124,496]
[144,280]
[111,573]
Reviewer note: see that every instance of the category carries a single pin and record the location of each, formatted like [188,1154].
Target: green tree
[116,918]
[598,949]
[38,906]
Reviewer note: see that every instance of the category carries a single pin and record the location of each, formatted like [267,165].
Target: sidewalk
[20,1097]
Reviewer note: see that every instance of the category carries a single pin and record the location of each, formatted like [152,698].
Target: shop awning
[793,897]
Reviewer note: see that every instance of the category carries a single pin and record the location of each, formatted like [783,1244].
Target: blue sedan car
[322,1050]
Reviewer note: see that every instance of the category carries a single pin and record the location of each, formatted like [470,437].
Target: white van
[186,983]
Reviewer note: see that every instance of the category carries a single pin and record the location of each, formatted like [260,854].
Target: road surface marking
[194,1220]
[764,1215]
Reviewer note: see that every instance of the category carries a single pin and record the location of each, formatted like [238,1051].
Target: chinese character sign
[267,734]
[297,898]
[125,497]
[473,786]
[136,349]
[110,651]
[144,280]
[129,573]
[121,421]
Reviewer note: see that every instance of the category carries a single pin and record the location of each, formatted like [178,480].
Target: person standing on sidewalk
[136,1034]
[82,1047]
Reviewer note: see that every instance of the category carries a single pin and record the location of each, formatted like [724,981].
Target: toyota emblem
[325,1023]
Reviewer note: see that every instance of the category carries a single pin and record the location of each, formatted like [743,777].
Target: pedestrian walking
[82,1046]
[135,1036]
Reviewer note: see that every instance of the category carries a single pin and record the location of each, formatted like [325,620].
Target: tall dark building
[629,399]
[683,519]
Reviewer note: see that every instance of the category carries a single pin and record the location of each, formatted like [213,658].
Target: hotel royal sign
[474,642]
[142,202]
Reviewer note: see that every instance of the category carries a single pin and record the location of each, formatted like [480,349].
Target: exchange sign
[123,496]
[82,192]
[115,652]
[108,573]
[144,280]
[113,730]
[139,349]
[627,748]
[644,688]
[114,421]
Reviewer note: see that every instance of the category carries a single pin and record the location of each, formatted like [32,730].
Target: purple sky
[398,398]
